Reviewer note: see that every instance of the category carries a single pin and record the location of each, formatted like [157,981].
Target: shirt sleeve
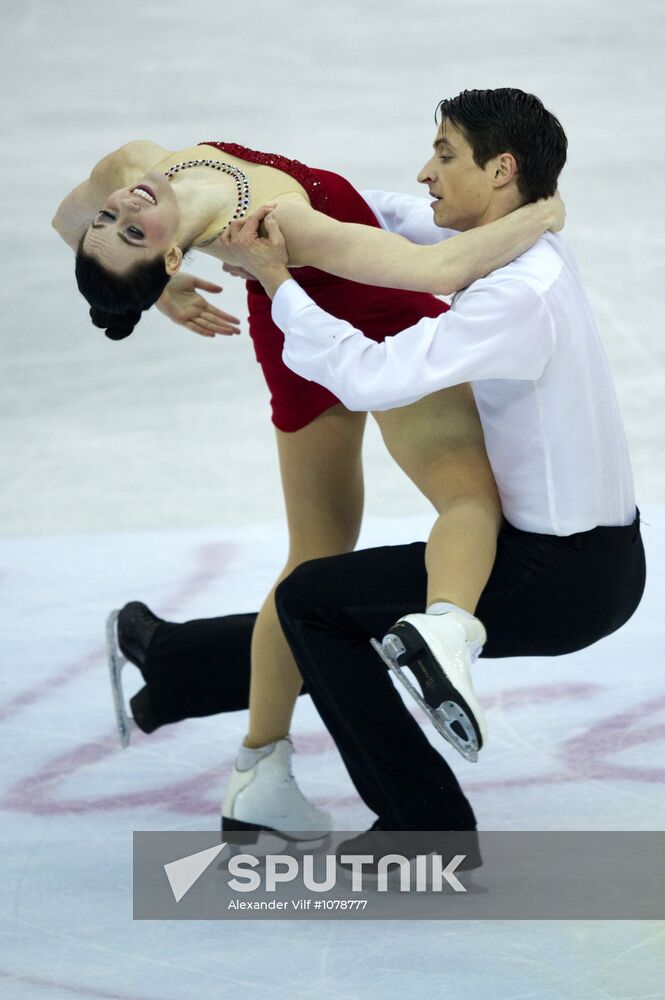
[406,215]
[497,329]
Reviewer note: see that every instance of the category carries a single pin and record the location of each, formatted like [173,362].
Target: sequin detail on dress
[306,177]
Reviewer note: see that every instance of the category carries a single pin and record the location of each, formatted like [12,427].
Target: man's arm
[406,216]
[499,330]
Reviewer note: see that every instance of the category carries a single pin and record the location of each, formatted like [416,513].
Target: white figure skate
[439,651]
[266,797]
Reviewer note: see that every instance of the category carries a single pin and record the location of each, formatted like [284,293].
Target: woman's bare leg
[461,547]
[438,442]
[321,471]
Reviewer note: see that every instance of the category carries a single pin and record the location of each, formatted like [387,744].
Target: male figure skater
[569,566]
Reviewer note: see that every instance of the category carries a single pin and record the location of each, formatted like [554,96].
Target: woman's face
[135,224]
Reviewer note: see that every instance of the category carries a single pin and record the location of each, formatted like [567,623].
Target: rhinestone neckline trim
[238,175]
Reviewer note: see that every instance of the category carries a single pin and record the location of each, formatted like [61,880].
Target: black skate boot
[377,843]
[136,625]
[129,633]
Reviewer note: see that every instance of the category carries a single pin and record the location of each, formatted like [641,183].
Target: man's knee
[301,591]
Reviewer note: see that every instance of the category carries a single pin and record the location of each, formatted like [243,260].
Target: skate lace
[294,788]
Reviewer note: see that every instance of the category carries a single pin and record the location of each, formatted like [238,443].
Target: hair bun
[118,332]
[116,326]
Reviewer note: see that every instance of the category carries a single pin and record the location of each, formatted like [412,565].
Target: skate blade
[116,662]
[443,717]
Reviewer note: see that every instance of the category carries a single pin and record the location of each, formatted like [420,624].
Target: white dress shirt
[525,339]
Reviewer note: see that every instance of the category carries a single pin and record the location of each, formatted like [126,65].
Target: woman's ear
[173,260]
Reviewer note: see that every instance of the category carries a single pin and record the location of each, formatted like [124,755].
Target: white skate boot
[439,650]
[266,797]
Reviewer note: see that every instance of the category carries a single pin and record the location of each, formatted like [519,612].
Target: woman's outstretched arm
[375,257]
[77,210]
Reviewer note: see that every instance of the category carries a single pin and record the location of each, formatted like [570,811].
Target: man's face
[462,190]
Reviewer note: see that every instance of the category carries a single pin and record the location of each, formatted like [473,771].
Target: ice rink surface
[146,469]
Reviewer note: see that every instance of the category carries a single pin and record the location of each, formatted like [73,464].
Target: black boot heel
[235,831]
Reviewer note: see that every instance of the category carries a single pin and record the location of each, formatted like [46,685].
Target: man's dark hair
[507,120]
[117,301]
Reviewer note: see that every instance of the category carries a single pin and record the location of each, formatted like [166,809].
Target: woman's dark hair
[117,301]
[507,120]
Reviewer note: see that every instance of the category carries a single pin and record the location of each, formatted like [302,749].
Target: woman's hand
[557,211]
[181,303]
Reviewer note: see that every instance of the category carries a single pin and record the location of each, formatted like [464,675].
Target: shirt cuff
[289,299]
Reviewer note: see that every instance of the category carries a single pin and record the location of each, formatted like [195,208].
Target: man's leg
[546,596]
[202,667]
[198,668]
[549,595]
[329,610]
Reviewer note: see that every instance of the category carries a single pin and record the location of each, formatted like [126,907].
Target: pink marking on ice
[586,752]
[91,992]
[582,759]
[539,694]
[191,796]
[519,697]
[583,755]
[35,793]
[45,687]
[213,559]
[312,744]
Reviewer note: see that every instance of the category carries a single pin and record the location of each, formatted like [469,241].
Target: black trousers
[546,596]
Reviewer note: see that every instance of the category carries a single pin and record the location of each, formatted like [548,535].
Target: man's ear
[504,169]
[173,260]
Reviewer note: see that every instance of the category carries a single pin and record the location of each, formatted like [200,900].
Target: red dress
[378,312]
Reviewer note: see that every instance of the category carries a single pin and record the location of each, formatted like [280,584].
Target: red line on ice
[213,559]
[91,992]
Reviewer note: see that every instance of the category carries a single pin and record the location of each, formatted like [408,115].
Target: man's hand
[181,303]
[265,257]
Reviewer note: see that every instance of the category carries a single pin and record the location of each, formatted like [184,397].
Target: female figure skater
[132,222]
